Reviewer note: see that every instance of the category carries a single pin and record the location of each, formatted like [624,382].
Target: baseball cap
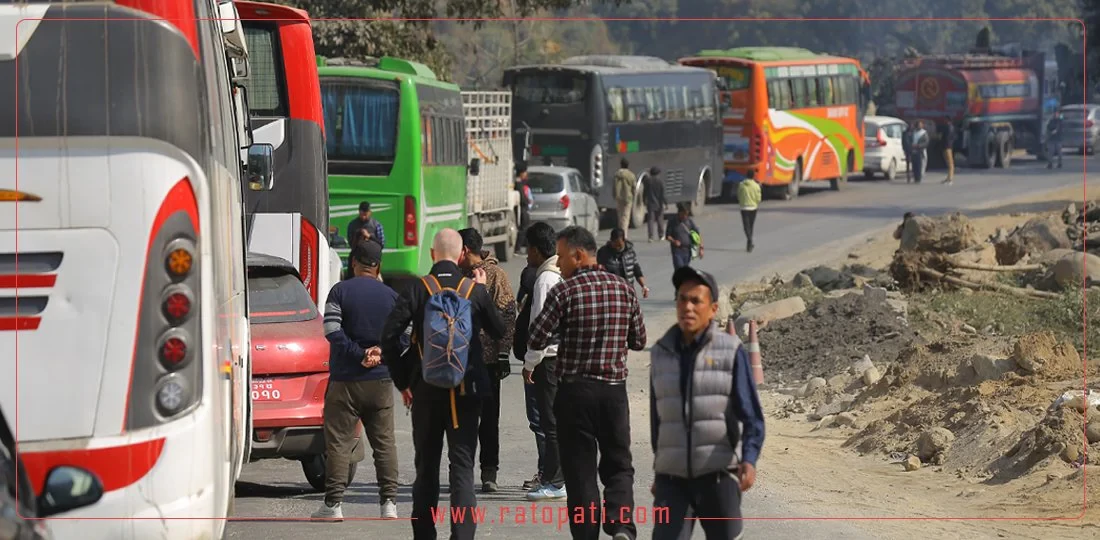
[367,253]
[687,273]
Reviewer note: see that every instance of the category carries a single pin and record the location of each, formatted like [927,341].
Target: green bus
[395,136]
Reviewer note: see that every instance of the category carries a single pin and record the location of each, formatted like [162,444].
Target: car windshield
[275,296]
[545,183]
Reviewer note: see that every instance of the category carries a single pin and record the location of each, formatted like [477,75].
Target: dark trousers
[748,220]
[530,397]
[347,404]
[716,495]
[546,389]
[524,222]
[655,218]
[680,257]
[431,421]
[918,166]
[488,434]
[595,415]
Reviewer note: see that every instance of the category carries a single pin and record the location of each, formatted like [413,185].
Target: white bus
[124,341]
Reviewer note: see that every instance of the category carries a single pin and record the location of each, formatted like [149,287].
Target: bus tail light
[411,236]
[308,259]
[597,166]
[564,202]
[165,379]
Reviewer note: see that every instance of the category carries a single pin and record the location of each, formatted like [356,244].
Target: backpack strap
[466,287]
[432,284]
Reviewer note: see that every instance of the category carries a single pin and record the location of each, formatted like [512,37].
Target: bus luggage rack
[488,114]
[488,131]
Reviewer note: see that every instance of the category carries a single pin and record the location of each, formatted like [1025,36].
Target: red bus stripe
[11,324]
[116,466]
[27,281]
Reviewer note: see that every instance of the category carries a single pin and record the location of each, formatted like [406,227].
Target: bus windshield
[361,120]
[552,88]
[733,77]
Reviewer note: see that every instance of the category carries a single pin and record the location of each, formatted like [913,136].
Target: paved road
[790,235]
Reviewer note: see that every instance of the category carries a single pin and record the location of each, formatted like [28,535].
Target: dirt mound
[826,338]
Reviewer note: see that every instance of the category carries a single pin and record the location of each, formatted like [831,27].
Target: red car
[289,370]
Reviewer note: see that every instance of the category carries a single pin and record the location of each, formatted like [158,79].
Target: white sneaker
[547,493]
[334,513]
[389,509]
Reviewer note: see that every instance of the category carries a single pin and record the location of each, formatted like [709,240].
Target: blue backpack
[448,333]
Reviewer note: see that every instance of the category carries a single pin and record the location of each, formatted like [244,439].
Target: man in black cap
[695,459]
[365,222]
[359,386]
[655,203]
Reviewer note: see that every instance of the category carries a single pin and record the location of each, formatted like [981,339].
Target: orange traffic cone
[753,347]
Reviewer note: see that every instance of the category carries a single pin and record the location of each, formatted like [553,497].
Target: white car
[882,141]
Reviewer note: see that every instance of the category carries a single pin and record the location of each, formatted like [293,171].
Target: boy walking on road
[748,196]
[626,186]
[697,367]
[496,282]
[599,319]
[359,387]
[438,411]
[680,237]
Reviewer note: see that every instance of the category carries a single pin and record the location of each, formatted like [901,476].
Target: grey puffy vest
[694,435]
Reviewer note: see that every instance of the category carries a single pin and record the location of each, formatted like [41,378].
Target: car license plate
[265,390]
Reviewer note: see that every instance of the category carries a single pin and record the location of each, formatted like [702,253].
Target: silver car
[1080,123]
[560,198]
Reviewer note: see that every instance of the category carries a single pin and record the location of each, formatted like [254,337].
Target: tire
[700,195]
[505,249]
[838,183]
[989,157]
[892,170]
[314,469]
[1004,154]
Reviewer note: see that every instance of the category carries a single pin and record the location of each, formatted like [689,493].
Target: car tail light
[411,236]
[564,202]
[308,258]
[165,381]
[880,138]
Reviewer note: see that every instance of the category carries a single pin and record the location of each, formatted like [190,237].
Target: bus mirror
[475,167]
[68,488]
[261,167]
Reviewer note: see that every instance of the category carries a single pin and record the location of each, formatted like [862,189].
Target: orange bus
[789,114]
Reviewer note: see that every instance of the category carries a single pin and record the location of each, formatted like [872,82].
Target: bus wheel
[637,211]
[314,469]
[701,194]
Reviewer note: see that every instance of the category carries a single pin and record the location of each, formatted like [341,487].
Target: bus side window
[811,92]
[825,91]
[616,106]
[799,92]
[708,101]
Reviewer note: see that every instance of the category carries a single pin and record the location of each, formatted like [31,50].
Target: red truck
[998,102]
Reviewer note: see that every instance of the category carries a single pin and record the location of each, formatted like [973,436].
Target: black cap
[367,253]
[654,171]
[687,273]
[364,206]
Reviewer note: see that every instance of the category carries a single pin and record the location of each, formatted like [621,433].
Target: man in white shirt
[539,366]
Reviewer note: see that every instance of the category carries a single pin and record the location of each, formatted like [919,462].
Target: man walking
[494,352]
[907,149]
[920,151]
[599,320]
[438,411]
[526,201]
[626,185]
[519,350]
[359,387]
[949,149]
[655,203]
[365,222]
[1054,140]
[696,367]
[619,258]
[681,239]
[540,366]
[748,197]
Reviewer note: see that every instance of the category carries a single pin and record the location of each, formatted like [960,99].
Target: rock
[846,419]
[802,281]
[911,463]
[874,294]
[861,365]
[725,308]
[1071,453]
[871,376]
[1054,255]
[1042,351]
[840,381]
[934,441]
[949,234]
[823,276]
[988,368]
[1092,432]
[1038,235]
[901,307]
[803,390]
[774,311]
[1069,215]
[1071,270]
[968,329]
[814,384]
[837,406]
[828,421]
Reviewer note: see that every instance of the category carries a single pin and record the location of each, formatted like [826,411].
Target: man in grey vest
[701,389]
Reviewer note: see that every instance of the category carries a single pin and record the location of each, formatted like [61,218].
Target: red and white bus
[284,99]
[124,340]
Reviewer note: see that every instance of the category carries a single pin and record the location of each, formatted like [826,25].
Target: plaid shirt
[598,316]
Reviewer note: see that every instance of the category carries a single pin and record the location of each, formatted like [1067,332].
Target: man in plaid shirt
[597,316]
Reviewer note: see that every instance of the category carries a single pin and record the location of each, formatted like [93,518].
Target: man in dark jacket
[679,237]
[519,350]
[947,135]
[525,203]
[619,258]
[365,221]
[437,411]
[907,149]
[655,204]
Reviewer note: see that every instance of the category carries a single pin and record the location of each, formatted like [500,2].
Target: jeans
[715,495]
[546,388]
[431,422]
[655,219]
[748,221]
[488,434]
[594,417]
[680,257]
[530,397]
[1054,149]
[346,404]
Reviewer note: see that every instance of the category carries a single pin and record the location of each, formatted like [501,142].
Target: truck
[999,99]
[492,203]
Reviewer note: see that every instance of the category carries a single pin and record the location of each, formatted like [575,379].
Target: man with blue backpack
[447,376]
